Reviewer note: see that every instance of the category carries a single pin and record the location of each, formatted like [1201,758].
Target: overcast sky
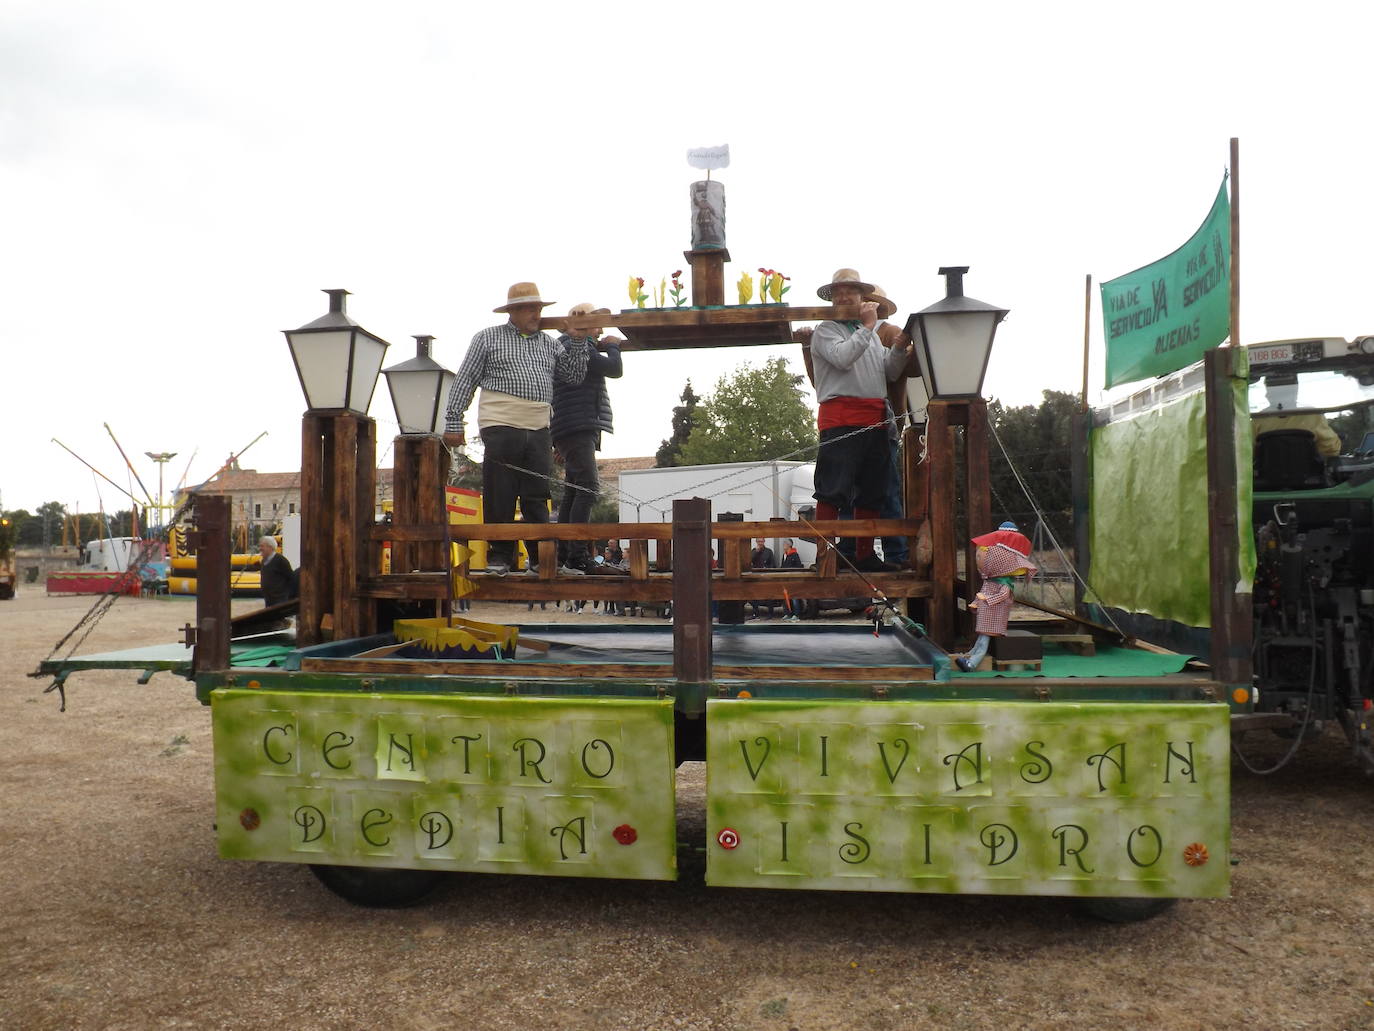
[179,181]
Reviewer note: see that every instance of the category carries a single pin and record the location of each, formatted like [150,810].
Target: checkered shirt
[502,358]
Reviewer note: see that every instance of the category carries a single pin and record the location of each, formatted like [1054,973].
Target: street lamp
[161,458]
[336,359]
[419,390]
[954,339]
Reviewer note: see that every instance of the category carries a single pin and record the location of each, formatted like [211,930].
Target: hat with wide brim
[844,277]
[1014,539]
[522,293]
[886,309]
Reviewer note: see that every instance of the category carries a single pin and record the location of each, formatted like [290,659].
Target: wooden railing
[648,581]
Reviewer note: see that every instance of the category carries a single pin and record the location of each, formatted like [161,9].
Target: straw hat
[886,309]
[844,277]
[522,293]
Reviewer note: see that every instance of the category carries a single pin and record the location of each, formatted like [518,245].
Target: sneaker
[497,569]
[532,569]
[571,571]
[873,564]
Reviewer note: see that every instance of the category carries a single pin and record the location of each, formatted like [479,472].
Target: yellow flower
[634,289]
[745,286]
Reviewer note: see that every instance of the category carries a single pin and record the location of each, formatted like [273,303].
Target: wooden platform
[663,329]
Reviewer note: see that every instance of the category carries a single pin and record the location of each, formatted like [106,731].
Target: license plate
[1271,355]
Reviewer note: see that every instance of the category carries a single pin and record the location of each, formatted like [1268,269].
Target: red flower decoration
[728,838]
[677,273]
[1195,854]
[640,280]
[625,834]
[250,819]
[764,270]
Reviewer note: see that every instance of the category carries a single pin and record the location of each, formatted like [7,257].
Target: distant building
[262,500]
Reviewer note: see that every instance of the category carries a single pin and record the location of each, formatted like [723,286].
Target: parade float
[390,741]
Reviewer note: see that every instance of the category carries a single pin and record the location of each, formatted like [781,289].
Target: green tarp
[1162,317]
[1149,550]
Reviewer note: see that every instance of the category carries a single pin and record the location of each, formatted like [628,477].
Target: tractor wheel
[1124,911]
[377,887]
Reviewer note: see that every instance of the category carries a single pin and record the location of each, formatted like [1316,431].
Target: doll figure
[1003,555]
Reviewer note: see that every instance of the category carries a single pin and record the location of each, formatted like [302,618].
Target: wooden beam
[650,531]
[342,447]
[691,590]
[977,490]
[316,572]
[212,584]
[944,565]
[367,555]
[1232,610]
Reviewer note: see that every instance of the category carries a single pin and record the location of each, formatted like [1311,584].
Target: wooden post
[404,473]
[338,492]
[978,503]
[430,503]
[212,584]
[944,564]
[731,562]
[708,276]
[639,560]
[692,590]
[419,472]
[1232,610]
[341,452]
[316,571]
[1080,466]
[367,553]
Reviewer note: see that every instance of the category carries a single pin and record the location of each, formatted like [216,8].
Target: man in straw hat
[515,365]
[581,413]
[852,371]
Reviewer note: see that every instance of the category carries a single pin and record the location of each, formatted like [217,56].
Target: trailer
[389,741]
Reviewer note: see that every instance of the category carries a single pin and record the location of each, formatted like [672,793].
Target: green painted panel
[1096,799]
[566,787]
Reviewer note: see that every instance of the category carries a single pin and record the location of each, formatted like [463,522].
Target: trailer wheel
[377,887]
[1124,911]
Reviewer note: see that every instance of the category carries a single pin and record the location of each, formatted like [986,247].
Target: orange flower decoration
[1195,854]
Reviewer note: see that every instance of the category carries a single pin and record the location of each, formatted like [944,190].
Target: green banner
[990,798]
[1148,529]
[1160,318]
[567,787]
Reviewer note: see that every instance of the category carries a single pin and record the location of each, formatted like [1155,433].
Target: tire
[378,887]
[1124,911]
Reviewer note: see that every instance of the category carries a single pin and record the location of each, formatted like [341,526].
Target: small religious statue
[1003,555]
[708,215]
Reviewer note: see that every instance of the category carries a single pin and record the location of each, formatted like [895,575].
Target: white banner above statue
[709,157]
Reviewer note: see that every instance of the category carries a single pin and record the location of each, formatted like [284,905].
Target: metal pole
[1087,325]
[1235,241]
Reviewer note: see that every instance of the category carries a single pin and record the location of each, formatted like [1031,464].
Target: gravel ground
[118,914]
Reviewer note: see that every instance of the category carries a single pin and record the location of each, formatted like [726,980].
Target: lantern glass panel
[917,398]
[413,396]
[958,346]
[441,407]
[322,362]
[368,352]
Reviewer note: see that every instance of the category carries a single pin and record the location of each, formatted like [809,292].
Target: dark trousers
[503,485]
[579,466]
[895,549]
